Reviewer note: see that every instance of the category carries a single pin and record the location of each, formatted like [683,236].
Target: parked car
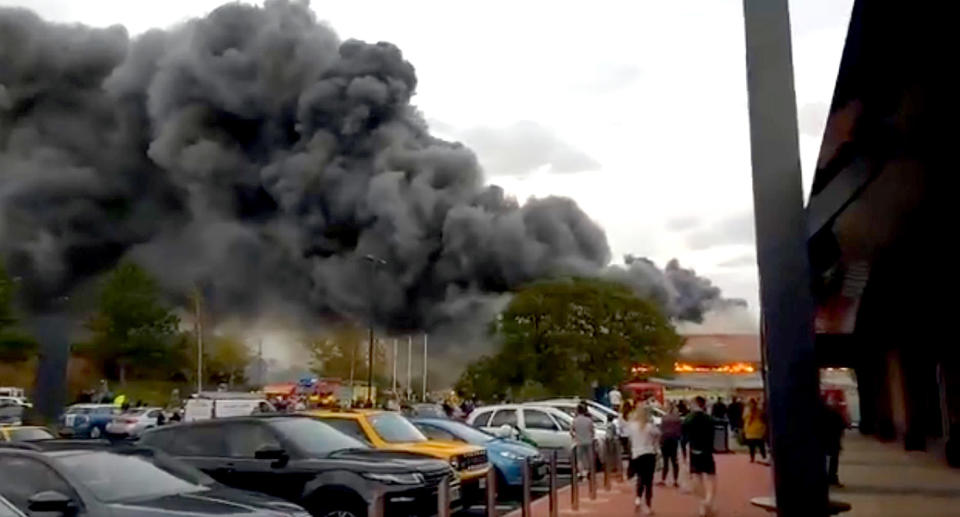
[547,426]
[24,433]
[306,462]
[7,509]
[133,422]
[426,411]
[598,412]
[506,455]
[220,404]
[86,420]
[17,394]
[11,412]
[386,430]
[91,478]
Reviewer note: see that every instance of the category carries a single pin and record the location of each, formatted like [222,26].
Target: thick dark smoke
[253,153]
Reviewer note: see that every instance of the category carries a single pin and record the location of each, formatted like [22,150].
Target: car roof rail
[26,446]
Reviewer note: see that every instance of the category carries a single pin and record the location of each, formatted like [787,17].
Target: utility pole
[409,363]
[375,263]
[260,362]
[394,366]
[424,367]
[198,324]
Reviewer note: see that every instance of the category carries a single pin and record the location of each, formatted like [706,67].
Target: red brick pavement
[738,481]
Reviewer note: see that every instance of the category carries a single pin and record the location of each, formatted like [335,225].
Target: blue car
[86,420]
[507,455]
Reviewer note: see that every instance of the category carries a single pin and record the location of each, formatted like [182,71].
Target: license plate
[454,493]
[483,483]
[68,420]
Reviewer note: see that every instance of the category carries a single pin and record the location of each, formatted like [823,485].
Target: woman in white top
[644,442]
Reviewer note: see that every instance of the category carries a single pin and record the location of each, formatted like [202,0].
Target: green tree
[345,350]
[225,359]
[15,344]
[132,329]
[560,336]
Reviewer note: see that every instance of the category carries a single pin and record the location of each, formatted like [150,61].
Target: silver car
[133,422]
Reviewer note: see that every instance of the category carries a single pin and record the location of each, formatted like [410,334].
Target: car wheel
[95,433]
[342,512]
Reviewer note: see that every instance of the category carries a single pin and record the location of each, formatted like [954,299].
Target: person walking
[833,424]
[755,430]
[583,435]
[698,428]
[735,417]
[671,429]
[683,410]
[615,398]
[644,439]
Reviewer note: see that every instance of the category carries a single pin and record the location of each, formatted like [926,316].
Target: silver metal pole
[491,493]
[574,480]
[199,326]
[409,364]
[424,367]
[395,366]
[443,498]
[525,506]
[554,503]
[375,509]
[592,473]
[607,463]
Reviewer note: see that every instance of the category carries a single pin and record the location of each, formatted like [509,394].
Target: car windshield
[29,434]
[78,410]
[395,429]
[114,477]
[466,433]
[315,438]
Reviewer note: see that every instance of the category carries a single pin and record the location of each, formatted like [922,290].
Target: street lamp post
[375,262]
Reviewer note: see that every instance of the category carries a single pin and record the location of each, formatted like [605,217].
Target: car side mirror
[51,501]
[269,452]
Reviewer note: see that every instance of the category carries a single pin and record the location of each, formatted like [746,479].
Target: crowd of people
[686,436]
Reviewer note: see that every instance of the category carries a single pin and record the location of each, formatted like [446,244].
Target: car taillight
[130,421]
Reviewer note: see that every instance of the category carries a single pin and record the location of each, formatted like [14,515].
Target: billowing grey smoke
[254,154]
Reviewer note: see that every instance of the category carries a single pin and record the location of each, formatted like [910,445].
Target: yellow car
[24,433]
[391,431]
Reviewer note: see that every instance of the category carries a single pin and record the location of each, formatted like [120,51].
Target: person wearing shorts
[698,429]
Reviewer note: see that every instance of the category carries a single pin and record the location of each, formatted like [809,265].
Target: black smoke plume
[253,153]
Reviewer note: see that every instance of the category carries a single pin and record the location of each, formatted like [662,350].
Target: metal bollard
[554,503]
[525,506]
[443,497]
[574,481]
[492,492]
[375,508]
[607,464]
[592,473]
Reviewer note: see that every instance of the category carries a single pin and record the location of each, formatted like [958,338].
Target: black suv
[96,479]
[306,462]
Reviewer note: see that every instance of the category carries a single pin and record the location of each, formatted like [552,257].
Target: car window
[204,440]
[21,477]
[245,439]
[314,438]
[153,414]
[113,477]
[482,419]
[536,419]
[395,428]
[106,411]
[78,410]
[348,427]
[435,433]
[28,434]
[504,416]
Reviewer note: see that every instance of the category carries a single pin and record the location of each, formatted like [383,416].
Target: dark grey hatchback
[306,462]
[80,479]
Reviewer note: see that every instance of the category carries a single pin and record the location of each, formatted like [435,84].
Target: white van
[216,404]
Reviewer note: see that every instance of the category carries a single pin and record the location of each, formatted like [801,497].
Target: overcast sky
[637,109]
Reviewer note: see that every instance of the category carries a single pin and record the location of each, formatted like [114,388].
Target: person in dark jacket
[698,429]
[735,417]
[833,424]
[671,429]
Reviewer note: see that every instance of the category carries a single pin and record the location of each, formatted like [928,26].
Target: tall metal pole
[424,399]
[199,328]
[409,364]
[394,366]
[260,362]
[781,228]
[370,368]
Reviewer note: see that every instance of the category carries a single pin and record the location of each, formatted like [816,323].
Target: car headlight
[455,463]
[511,456]
[409,478]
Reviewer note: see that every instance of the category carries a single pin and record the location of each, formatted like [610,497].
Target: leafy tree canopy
[561,336]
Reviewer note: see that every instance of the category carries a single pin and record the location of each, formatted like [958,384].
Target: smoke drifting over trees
[253,153]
